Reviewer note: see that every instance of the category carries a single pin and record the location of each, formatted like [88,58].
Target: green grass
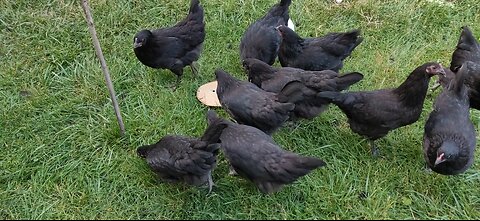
[62,157]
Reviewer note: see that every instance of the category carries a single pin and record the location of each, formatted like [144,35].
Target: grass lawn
[62,156]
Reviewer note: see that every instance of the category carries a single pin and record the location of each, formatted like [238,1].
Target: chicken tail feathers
[213,148]
[352,39]
[311,163]
[466,50]
[331,96]
[292,92]
[285,2]
[194,6]
[345,81]
[284,109]
[343,43]
[457,84]
[467,37]
[298,166]
[214,129]
[294,167]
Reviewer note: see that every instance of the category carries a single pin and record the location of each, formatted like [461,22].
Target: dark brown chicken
[255,156]
[185,159]
[449,139]
[375,113]
[261,40]
[299,87]
[250,105]
[174,47]
[316,54]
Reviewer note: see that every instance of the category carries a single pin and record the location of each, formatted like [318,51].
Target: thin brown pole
[98,50]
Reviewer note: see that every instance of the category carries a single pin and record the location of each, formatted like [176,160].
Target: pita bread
[207,94]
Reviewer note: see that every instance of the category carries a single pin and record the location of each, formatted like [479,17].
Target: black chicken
[468,49]
[375,113]
[250,105]
[299,87]
[174,47]
[255,156]
[316,54]
[449,140]
[185,159]
[261,40]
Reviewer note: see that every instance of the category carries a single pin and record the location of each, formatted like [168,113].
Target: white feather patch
[290,24]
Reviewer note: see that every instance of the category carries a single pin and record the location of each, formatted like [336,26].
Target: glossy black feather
[255,156]
[316,54]
[261,40]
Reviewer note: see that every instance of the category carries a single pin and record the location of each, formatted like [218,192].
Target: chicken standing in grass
[316,54]
[299,86]
[174,47]
[261,40]
[449,139]
[255,156]
[375,113]
[250,105]
[185,159]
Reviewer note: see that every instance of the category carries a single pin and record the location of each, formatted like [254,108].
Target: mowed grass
[62,156]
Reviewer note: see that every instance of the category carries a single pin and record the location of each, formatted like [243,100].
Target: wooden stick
[98,50]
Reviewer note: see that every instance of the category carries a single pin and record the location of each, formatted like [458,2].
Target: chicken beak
[440,159]
[278,29]
[137,44]
[244,63]
[443,72]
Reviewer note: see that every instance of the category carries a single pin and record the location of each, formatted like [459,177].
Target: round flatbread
[207,94]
